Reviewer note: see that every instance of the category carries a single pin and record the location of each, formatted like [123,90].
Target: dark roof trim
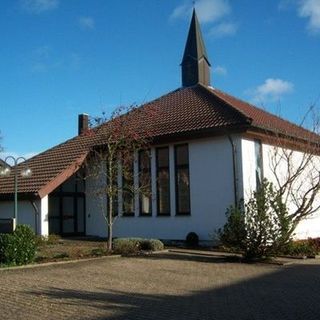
[63,176]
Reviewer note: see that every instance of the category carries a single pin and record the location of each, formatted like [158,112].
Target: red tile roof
[185,110]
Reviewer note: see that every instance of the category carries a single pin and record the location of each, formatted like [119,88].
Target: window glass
[163,157]
[68,215]
[259,165]
[54,206]
[163,192]
[80,214]
[182,155]
[69,185]
[183,187]
[145,183]
[163,181]
[182,180]
[128,192]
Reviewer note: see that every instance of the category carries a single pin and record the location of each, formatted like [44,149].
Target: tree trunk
[109,245]
[110,223]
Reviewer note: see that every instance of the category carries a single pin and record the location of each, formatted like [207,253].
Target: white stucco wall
[307,228]
[248,176]
[27,214]
[43,217]
[211,192]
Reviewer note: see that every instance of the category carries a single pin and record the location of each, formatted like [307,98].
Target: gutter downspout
[36,210]
[234,169]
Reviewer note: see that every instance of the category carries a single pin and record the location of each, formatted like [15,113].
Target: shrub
[192,239]
[127,246]
[19,247]
[156,245]
[233,233]
[302,248]
[259,228]
[151,245]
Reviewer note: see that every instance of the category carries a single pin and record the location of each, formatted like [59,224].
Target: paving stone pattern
[161,287]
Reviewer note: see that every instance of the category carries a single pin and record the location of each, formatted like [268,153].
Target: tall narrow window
[182,180]
[128,192]
[163,182]
[259,163]
[145,183]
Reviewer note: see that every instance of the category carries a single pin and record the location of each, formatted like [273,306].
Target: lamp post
[6,171]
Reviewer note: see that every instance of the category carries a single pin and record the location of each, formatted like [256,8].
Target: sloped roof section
[49,167]
[267,121]
[184,111]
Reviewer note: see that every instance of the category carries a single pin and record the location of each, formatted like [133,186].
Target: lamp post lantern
[6,171]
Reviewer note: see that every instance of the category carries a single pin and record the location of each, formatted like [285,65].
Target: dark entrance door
[67,207]
[67,214]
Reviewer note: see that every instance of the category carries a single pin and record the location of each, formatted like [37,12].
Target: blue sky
[59,58]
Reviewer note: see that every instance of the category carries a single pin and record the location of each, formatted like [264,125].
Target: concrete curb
[47,264]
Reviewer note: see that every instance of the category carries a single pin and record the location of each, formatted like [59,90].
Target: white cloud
[271,90]
[207,10]
[39,6]
[43,60]
[223,29]
[286,4]
[87,23]
[220,71]
[310,9]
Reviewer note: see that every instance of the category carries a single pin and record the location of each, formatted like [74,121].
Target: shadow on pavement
[291,292]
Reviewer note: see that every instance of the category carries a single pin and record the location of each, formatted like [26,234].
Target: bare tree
[119,139]
[295,172]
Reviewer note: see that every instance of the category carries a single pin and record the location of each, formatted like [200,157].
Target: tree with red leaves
[118,140]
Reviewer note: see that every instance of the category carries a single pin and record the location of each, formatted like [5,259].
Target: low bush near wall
[303,248]
[192,239]
[134,245]
[18,247]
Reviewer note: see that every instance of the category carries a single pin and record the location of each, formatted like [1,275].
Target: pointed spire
[195,63]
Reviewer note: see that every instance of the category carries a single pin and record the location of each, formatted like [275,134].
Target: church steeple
[195,63]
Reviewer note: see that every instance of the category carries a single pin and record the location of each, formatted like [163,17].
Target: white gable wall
[248,177]
[307,228]
[211,192]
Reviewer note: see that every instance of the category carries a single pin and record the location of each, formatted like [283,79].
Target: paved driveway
[170,286]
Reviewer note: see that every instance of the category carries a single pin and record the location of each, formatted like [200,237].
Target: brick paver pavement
[162,287]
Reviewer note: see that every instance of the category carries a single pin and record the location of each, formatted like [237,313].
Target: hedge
[18,247]
[134,245]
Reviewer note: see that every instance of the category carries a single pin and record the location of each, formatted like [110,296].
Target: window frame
[258,155]
[123,180]
[176,169]
[158,169]
[143,171]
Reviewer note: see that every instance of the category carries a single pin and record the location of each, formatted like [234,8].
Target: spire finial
[194,4]
[195,63]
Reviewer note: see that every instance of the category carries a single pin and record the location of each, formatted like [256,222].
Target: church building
[209,150]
